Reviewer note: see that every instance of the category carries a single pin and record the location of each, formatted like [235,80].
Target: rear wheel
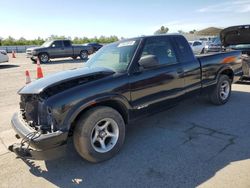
[99,134]
[84,55]
[222,91]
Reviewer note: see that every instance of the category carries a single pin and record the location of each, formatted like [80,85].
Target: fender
[223,68]
[78,108]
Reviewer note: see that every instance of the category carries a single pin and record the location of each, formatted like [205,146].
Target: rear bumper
[42,145]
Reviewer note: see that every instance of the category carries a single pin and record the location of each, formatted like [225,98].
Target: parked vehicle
[198,47]
[238,38]
[206,39]
[94,45]
[214,46]
[122,82]
[58,49]
[3,56]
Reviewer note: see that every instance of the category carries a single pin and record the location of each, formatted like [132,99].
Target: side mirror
[148,61]
[53,46]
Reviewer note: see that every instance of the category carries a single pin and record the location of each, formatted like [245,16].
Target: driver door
[56,49]
[160,86]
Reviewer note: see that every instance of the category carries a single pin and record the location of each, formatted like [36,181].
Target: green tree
[162,30]
[192,32]
[181,32]
[77,40]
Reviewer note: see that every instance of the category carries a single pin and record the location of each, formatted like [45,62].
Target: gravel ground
[193,144]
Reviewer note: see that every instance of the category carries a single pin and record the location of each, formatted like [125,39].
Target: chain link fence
[17,49]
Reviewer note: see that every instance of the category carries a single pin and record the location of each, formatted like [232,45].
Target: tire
[43,57]
[91,135]
[84,54]
[222,91]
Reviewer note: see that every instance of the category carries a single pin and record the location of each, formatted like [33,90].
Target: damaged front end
[36,126]
[39,121]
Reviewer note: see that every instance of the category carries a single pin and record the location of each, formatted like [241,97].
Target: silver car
[3,56]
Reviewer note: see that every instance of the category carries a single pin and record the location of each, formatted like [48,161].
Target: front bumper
[42,146]
[29,55]
[214,49]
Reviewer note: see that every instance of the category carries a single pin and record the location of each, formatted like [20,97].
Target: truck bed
[211,64]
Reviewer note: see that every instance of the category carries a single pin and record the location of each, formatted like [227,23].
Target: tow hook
[22,149]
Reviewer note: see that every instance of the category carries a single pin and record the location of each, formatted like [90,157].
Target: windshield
[46,44]
[115,56]
[217,40]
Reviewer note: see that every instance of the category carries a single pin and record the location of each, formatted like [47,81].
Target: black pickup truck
[58,49]
[123,81]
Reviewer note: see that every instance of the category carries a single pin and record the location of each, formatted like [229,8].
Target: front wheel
[84,55]
[43,57]
[222,91]
[99,134]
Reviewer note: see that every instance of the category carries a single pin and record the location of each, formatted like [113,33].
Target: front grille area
[29,108]
[28,52]
[34,113]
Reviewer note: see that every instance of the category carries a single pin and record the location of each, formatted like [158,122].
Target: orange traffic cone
[27,74]
[39,70]
[13,54]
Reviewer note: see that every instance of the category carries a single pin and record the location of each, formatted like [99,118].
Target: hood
[235,35]
[40,85]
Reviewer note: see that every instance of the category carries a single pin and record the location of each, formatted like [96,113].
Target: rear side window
[161,48]
[67,43]
[184,50]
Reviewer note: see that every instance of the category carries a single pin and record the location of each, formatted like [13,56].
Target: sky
[78,18]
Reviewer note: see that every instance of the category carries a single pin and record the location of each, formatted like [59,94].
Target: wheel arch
[39,53]
[118,104]
[226,71]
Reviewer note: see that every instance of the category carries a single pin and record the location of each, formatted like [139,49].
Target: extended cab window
[185,52]
[66,43]
[161,48]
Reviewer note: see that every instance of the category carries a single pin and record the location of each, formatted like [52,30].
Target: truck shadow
[4,66]
[181,147]
[63,61]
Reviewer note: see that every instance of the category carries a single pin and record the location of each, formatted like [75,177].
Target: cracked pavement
[195,144]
